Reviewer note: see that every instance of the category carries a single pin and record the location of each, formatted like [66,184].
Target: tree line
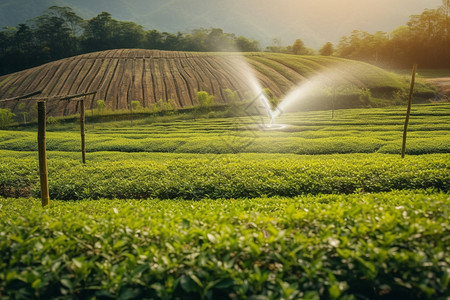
[59,32]
[425,40]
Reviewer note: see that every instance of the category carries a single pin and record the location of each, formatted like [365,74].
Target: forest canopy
[59,33]
[425,40]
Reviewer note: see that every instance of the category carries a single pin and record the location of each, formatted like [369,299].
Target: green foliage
[59,32]
[204,99]
[22,108]
[164,105]
[6,117]
[101,106]
[119,175]
[52,121]
[273,101]
[298,48]
[136,105]
[406,45]
[365,95]
[280,226]
[383,246]
[231,96]
[350,131]
[327,49]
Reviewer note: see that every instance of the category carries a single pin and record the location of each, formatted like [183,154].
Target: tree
[6,117]
[135,105]
[204,99]
[55,32]
[298,48]
[101,106]
[99,33]
[231,96]
[128,35]
[217,40]
[71,19]
[246,45]
[153,40]
[327,49]
[23,112]
[276,47]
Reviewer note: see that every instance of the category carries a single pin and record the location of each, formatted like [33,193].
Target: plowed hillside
[121,76]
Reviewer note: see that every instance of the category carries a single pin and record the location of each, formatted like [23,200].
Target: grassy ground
[269,222]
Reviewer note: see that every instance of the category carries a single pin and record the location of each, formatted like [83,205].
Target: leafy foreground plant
[361,246]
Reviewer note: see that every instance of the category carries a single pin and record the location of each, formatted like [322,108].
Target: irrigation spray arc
[331,80]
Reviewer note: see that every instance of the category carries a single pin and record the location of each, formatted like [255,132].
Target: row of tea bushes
[224,176]
[362,246]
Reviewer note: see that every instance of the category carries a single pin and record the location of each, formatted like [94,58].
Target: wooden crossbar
[22,97]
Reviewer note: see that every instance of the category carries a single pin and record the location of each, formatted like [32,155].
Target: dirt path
[443,84]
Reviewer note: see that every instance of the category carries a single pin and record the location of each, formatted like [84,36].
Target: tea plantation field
[216,208]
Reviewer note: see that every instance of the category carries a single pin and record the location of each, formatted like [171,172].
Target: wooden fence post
[43,174]
[408,111]
[82,125]
[131,110]
[333,101]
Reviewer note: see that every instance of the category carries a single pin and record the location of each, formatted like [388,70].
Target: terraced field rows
[122,76]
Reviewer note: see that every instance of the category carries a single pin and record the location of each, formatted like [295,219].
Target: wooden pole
[131,110]
[77,95]
[332,102]
[408,111]
[23,96]
[43,174]
[82,123]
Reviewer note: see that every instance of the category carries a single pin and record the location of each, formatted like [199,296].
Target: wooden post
[82,123]
[408,111]
[131,110]
[332,102]
[43,174]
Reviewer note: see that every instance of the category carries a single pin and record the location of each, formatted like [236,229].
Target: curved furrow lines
[124,75]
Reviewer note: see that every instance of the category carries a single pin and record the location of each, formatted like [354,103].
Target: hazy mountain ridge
[314,22]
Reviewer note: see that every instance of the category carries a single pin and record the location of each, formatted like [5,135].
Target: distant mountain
[315,22]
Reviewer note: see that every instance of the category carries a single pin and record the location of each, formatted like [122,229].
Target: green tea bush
[229,176]
[361,246]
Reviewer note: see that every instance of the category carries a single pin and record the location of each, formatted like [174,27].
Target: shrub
[6,117]
[204,99]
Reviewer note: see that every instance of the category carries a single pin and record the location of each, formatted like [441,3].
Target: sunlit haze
[314,21]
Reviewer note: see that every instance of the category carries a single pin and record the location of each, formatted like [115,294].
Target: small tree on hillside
[6,117]
[231,96]
[101,106]
[23,112]
[204,99]
[136,105]
[327,49]
[298,48]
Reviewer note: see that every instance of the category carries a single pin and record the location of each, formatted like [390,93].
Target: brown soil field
[125,75]
[443,84]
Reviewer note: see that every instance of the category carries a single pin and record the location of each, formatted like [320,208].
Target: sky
[314,21]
